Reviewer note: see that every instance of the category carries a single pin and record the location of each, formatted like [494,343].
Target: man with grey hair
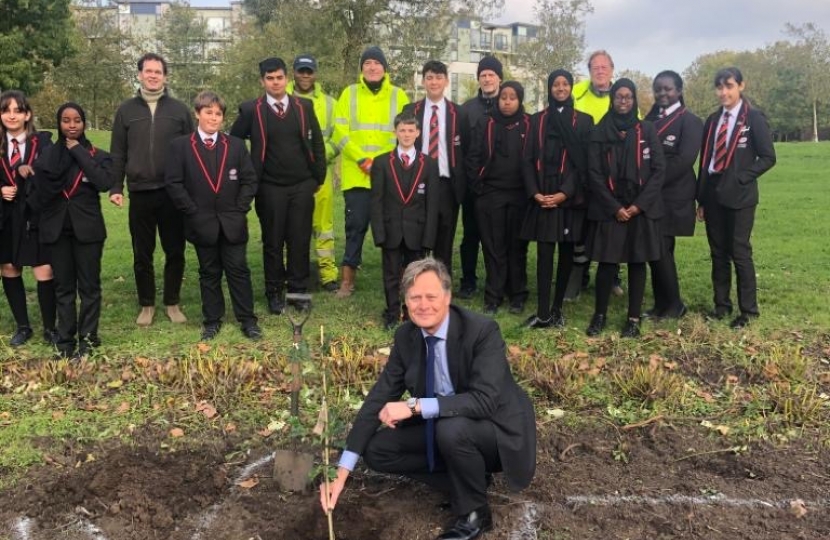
[466,416]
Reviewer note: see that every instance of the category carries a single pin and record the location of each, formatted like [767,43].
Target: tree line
[80,53]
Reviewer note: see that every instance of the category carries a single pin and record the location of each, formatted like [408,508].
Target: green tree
[184,40]
[816,48]
[34,36]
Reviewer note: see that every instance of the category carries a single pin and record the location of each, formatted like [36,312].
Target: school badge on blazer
[233,174]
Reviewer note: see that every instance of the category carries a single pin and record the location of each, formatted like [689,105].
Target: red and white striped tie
[720,144]
[433,133]
[14,159]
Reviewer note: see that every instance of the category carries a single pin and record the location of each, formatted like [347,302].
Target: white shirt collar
[441,333]
[412,153]
[204,136]
[272,101]
[671,108]
[734,110]
[21,139]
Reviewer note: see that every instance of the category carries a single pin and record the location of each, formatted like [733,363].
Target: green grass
[683,371]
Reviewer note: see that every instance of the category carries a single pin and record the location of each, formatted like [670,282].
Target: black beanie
[492,63]
[374,53]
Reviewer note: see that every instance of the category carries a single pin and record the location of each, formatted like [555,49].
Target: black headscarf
[618,135]
[58,161]
[504,123]
[560,130]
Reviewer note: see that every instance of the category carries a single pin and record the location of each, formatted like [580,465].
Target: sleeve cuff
[348,460]
[429,407]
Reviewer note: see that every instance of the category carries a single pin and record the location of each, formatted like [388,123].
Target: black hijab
[58,161]
[619,136]
[505,123]
[560,130]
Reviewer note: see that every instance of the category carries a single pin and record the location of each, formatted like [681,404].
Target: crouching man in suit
[466,416]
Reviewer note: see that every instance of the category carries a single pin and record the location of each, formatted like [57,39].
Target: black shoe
[557,318]
[251,331]
[654,313]
[51,336]
[741,321]
[390,321]
[675,313]
[535,322]
[491,309]
[470,526]
[21,336]
[517,307]
[275,304]
[331,286]
[209,331]
[466,292]
[631,329]
[87,345]
[596,326]
[719,313]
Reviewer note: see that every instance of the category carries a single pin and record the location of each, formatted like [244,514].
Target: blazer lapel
[418,346]
[454,352]
[450,133]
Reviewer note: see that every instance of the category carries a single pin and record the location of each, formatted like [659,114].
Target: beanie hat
[374,53]
[490,63]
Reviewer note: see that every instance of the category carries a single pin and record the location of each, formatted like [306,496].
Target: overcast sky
[641,36]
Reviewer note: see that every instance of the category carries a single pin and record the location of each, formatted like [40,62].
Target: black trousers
[470,241]
[466,448]
[665,285]
[500,218]
[358,213]
[76,267]
[447,224]
[544,275]
[285,217]
[729,231]
[394,261]
[152,211]
[636,287]
[232,260]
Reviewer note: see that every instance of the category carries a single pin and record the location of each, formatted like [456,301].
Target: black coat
[73,197]
[457,135]
[751,154]
[679,134]
[484,389]
[251,124]
[216,206]
[400,212]
[603,205]
[483,146]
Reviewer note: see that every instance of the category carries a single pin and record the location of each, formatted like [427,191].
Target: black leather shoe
[741,321]
[469,526]
[535,322]
[675,313]
[251,331]
[491,309]
[557,318]
[596,326]
[719,313]
[210,330]
[631,329]
[390,321]
[275,304]
[516,307]
[466,292]
[51,336]
[653,313]
[21,336]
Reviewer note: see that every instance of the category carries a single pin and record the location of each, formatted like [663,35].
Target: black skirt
[553,225]
[635,241]
[19,242]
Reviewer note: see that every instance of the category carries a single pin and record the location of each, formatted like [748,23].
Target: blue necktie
[432,341]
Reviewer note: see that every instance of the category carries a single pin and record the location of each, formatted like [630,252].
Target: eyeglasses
[623,98]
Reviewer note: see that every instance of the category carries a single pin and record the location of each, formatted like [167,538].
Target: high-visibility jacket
[588,102]
[324,111]
[364,127]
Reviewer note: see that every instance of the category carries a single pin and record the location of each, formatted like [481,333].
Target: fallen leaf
[582,354]
[249,483]
[206,409]
[57,415]
[203,347]
[670,365]
[124,407]
[176,433]
[732,379]
[264,432]
[230,427]
[798,508]
[705,396]
[385,351]
[514,350]
[115,384]
[555,413]
[5,415]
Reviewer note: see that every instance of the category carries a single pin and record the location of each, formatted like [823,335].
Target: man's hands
[117,199]
[701,215]
[328,500]
[393,412]
[365,165]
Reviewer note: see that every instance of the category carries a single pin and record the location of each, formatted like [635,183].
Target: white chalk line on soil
[94,532]
[207,519]
[709,500]
[526,530]
[23,528]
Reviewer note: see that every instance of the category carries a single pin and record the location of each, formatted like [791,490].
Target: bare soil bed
[656,482]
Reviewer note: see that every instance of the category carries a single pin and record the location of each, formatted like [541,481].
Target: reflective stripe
[329,113]
[354,125]
[325,253]
[371,147]
[343,142]
[328,235]
[341,121]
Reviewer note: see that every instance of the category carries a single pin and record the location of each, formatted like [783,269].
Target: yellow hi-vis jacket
[364,127]
[324,111]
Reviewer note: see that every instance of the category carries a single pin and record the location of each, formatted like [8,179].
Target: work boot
[347,282]
[145,317]
[175,315]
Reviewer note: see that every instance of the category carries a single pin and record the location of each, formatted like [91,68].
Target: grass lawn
[770,380]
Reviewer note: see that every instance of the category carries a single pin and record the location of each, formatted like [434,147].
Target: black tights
[636,287]
[544,275]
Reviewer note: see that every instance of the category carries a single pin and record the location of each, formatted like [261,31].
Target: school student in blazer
[290,162]
[211,180]
[625,171]
[20,146]
[444,137]
[72,174]
[679,131]
[404,214]
[495,175]
[737,149]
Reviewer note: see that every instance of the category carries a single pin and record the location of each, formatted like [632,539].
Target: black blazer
[484,389]
[251,124]
[482,146]
[571,182]
[603,205]
[751,154]
[22,214]
[400,212]
[679,133]
[457,135]
[73,196]
[217,205]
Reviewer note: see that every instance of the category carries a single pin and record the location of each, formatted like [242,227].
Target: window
[143,9]
[501,42]
[454,87]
